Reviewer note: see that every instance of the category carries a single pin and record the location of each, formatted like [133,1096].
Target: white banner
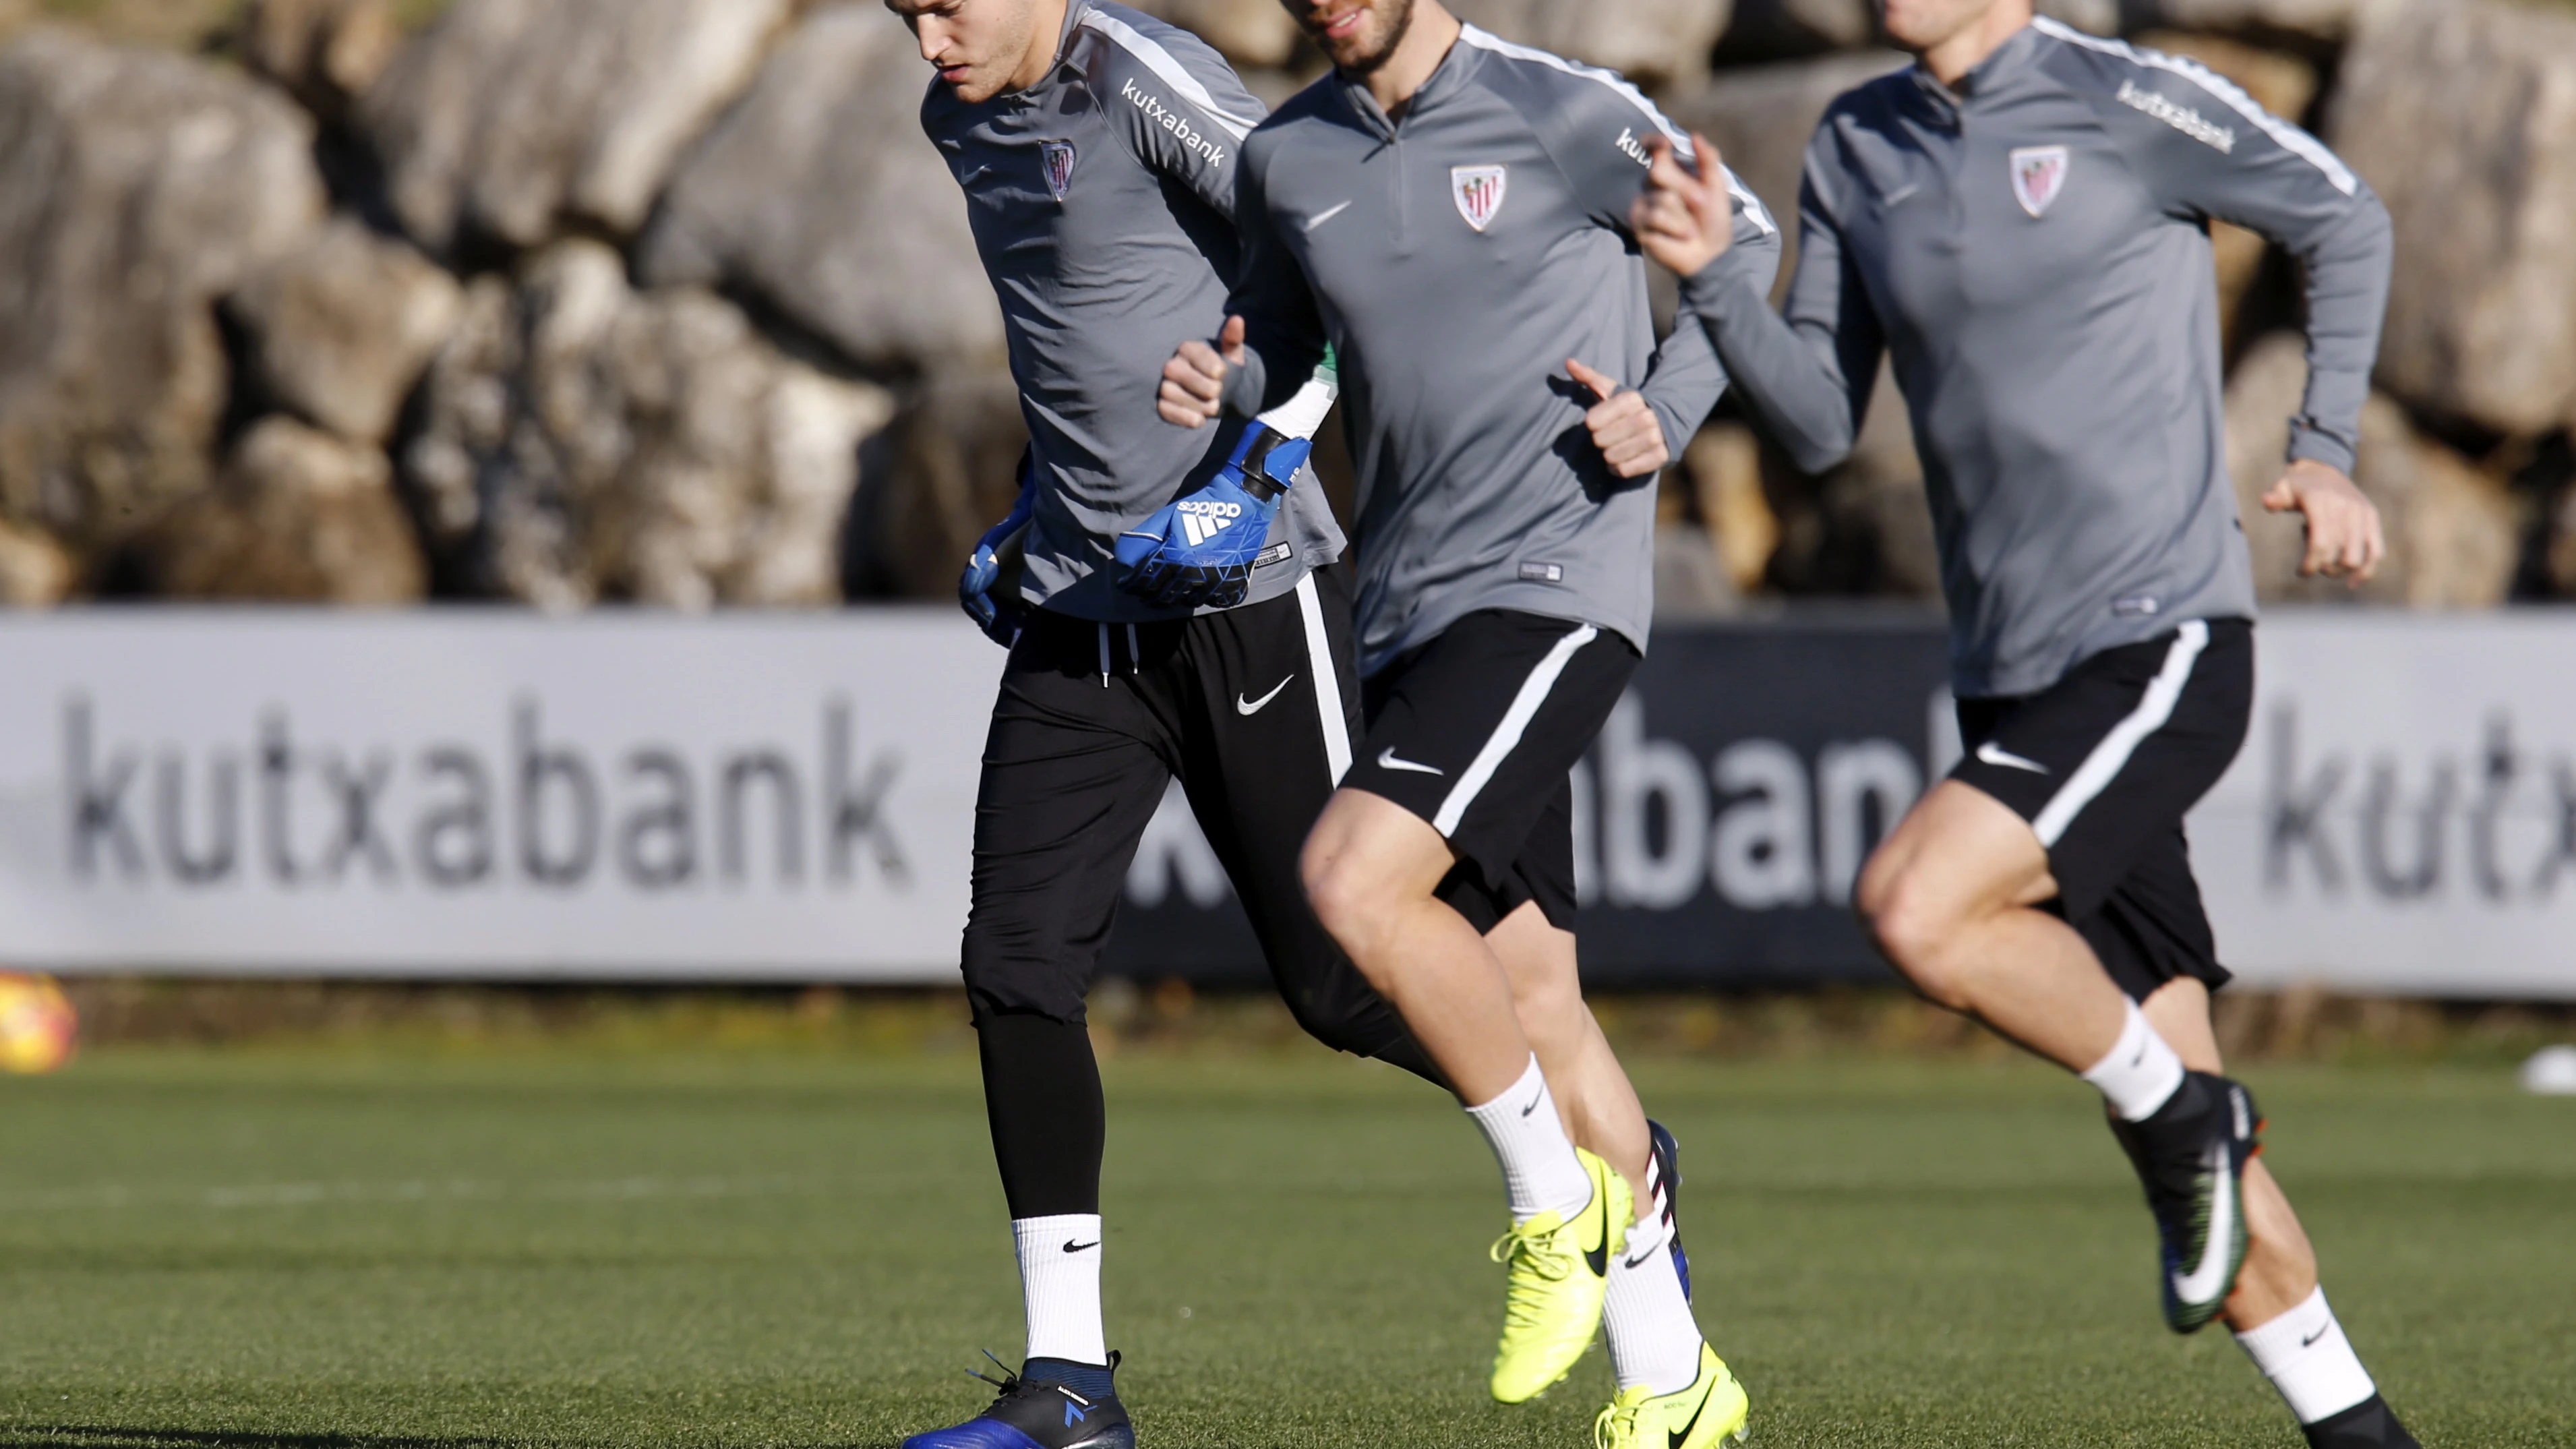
[496,794]
[791,797]
[2403,815]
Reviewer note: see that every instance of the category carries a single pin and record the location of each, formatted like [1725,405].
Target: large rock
[582,441]
[2462,113]
[340,328]
[819,195]
[2302,20]
[35,569]
[944,471]
[2453,531]
[1761,119]
[1257,34]
[324,52]
[507,120]
[298,516]
[1788,29]
[135,188]
[1652,42]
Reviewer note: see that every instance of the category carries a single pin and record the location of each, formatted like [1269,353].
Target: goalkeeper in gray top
[2020,222]
[1449,212]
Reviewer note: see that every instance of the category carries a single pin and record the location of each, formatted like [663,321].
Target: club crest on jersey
[1478,190]
[1057,157]
[2038,175]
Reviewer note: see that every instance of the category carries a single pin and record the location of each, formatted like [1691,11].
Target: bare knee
[1354,904]
[1914,924]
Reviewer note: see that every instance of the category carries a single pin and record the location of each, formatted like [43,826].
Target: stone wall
[669,302]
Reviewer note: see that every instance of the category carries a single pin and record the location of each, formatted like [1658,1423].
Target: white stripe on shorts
[1328,681]
[2111,756]
[1508,734]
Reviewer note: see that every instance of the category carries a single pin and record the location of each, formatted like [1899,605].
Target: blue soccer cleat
[1666,1159]
[1036,1410]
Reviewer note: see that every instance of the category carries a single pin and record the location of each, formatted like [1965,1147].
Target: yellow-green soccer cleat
[1708,1413]
[1558,1271]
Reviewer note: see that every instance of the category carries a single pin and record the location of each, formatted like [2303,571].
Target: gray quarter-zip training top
[1102,202]
[2032,250]
[1456,259]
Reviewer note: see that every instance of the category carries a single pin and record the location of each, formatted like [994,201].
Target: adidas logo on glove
[1203,519]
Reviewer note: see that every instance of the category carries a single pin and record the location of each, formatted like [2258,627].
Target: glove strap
[1257,449]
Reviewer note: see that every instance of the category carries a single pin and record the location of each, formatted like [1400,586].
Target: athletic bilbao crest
[1058,158]
[2038,174]
[1478,190]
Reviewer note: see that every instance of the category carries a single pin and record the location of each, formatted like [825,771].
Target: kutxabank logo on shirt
[2177,115]
[1478,190]
[2038,177]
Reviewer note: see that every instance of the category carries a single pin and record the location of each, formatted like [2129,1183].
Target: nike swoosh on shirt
[1386,760]
[1995,754]
[2206,1280]
[1327,214]
[1899,194]
[1253,706]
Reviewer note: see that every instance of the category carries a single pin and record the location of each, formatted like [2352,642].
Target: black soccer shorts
[1252,709]
[2104,764]
[1478,732]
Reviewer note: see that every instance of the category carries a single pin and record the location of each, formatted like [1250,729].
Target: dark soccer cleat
[2191,1156]
[2366,1425]
[1038,1412]
[1667,1160]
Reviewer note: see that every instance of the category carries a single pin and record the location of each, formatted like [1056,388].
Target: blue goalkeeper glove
[981,591]
[1198,551]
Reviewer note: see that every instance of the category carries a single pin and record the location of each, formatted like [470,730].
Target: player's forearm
[2348,271]
[1681,387]
[1795,385]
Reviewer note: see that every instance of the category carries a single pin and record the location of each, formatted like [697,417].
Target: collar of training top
[1987,78]
[1038,89]
[1452,75]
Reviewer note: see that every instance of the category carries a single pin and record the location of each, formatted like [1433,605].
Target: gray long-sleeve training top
[2032,250]
[1456,258]
[1102,202]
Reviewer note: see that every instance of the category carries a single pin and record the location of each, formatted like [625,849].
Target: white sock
[1653,1338]
[1060,1286]
[1540,1170]
[2305,1355]
[2141,1072]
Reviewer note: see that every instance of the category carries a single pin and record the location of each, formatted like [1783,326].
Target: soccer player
[1448,213]
[1172,607]
[2020,219]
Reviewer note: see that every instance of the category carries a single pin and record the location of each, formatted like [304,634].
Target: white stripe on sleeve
[1487,40]
[2290,138]
[1165,65]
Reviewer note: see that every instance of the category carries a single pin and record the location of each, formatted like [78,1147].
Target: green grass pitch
[325,1249]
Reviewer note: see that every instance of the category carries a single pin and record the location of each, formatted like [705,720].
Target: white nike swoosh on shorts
[1995,754]
[1253,706]
[1386,760]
